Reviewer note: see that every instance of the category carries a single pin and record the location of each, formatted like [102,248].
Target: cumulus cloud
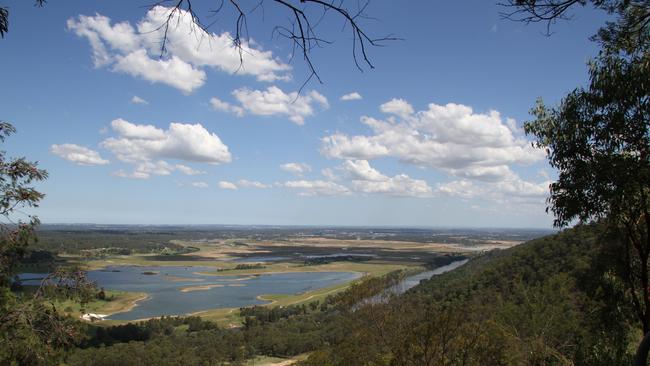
[135,50]
[78,154]
[227,185]
[219,105]
[132,131]
[159,167]
[351,96]
[451,138]
[296,168]
[146,147]
[188,142]
[357,176]
[145,169]
[251,184]
[316,188]
[398,107]
[188,170]
[173,71]
[366,179]
[361,170]
[137,100]
[512,189]
[275,102]
[399,185]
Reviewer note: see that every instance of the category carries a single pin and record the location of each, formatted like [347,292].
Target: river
[408,283]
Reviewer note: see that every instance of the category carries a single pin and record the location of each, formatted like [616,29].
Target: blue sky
[430,137]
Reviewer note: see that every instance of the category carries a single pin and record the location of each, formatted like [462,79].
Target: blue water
[165,297]
[408,283]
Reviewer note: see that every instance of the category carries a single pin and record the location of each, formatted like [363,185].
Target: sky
[430,137]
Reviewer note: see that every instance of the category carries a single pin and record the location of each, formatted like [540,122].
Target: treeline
[107,242]
[325,260]
[551,301]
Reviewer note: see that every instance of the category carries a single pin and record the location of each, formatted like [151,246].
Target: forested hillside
[548,301]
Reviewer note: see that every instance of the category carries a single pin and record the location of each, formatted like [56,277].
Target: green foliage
[552,301]
[16,175]
[32,332]
[598,139]
[103,243]
[546,302]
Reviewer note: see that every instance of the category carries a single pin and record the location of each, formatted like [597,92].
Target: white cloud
[132,131]
[366,179]
[227,185]
[399,185]
[78,154]
[188,170]
[137,100]
[159,167]
[273,101]
[251,184]
[133,175]
[145,169]
[296,168]
[316,188]
[361,169]
[173,71]
[351,96]
[199,184]
[398,107]
[357,176]
[220,105]
[513,189]
[136,50]
[451,138]
[146,147]
[341,146]
[187,142]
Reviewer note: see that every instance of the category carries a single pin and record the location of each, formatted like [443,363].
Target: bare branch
[300,32]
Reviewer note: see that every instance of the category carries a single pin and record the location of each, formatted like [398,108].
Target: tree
[32,332]
[598,139]
[16,175]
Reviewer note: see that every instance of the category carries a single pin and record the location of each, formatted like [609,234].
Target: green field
[225,255]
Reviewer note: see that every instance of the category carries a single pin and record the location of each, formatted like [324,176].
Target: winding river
[408,283]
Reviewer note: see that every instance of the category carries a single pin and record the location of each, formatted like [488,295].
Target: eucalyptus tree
[32,330]
[598,139]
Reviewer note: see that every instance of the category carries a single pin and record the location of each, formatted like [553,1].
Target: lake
[164,285]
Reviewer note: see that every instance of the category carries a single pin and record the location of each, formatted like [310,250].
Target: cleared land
[369,256]
[116,301]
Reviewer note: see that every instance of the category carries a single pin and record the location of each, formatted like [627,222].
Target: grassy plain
[370,258]
[116,301]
